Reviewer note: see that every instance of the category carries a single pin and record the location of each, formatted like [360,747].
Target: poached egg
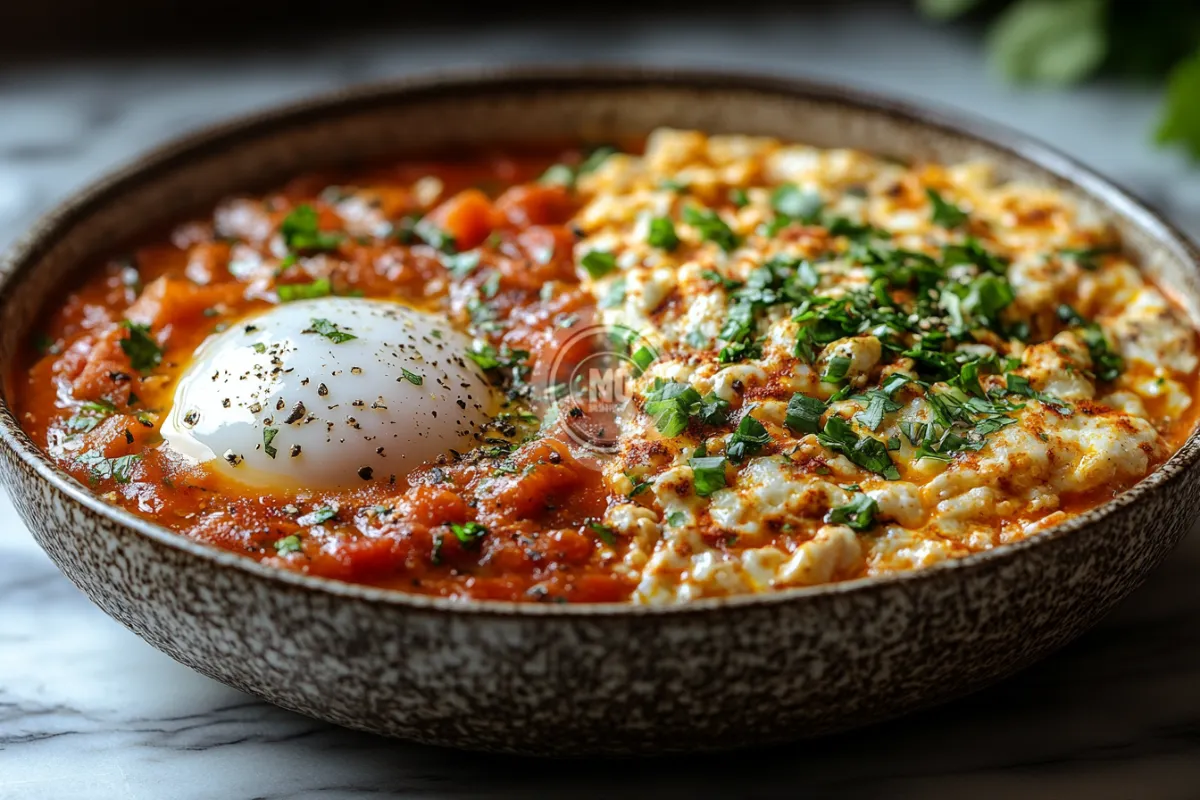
[328,394]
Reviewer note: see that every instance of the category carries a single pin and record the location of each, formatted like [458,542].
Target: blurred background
[86,85]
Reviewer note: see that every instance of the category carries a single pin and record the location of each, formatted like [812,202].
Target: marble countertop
[87,710]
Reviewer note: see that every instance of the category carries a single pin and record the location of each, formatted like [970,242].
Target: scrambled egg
[994,363]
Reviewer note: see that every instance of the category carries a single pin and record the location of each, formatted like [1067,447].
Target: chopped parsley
[603,532]
[945,213]
[144,353]
[411,377]
[288,544]
[598,263]
[460,265]
[639,486]
[836,370]
[1019,384]
[878,404]
[739,198]
[119,469]
[749,438]
[804,413]
[301,233]
[289,292]
[1107,364]
[713,410]
[711,227]
[642,358]
[318,515]
[662,234]
[329,330]
[708,473]
[89,415]
[867,452]
[468,533]
[435,237]
[1087,257]
[269,435]
[858,514]
[797,205]
[671,404]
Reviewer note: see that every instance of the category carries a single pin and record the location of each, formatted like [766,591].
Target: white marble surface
[89,711]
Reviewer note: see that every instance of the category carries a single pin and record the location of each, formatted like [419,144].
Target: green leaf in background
[1050,41]
[945,9]
[1181,116]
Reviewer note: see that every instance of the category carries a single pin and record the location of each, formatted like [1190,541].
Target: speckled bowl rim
[28,250]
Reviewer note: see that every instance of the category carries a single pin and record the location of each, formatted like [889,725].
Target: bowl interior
[526,106]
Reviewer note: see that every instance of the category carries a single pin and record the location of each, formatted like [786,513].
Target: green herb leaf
[595,158]
[1087,257]
[794,203]
[603,532]
[144,353]
[411,377]
[269,435]
[711,227]
[288,544]
[749,438]
[878,405]
[708,474]
[836,370]
[329,330]
[300,232]
[598,263]
[642,358]
[460,265]
[739,198]
[1180,122]
[558,175]
[713,410]
[468,533]
[867,452]
[662,234]
[289,292]
[1049,41]
[671,404]
[804,413]
[119,469]
[317,516]
[858,514]
[434,236]
[945,213]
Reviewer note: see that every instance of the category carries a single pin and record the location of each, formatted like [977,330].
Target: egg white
[328,394]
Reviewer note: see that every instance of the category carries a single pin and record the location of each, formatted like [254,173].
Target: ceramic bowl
[564,679]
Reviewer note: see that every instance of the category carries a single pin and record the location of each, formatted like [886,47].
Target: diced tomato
[467,216]
[533,204]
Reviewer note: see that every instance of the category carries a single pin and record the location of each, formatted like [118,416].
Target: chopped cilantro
[301,233]
[603,532]
[867,452]
[144,353]
[671,404]
[329,330]
[747,440]
[119,469]
[713,410]
[598,263]
[804,413]
[411,377]
[434,236]
[708,474]
[1086,257]
[468,533]
[797,205]
[288,544]
[878,404]
[1107,364]
[1019,384]
[662,234]
[739,198]
[317,516]
[460,265]
[639,486]
[269,435]
[304,291]
[711,227]
[836,369]
[642,358]
[858,514]
[945,213]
